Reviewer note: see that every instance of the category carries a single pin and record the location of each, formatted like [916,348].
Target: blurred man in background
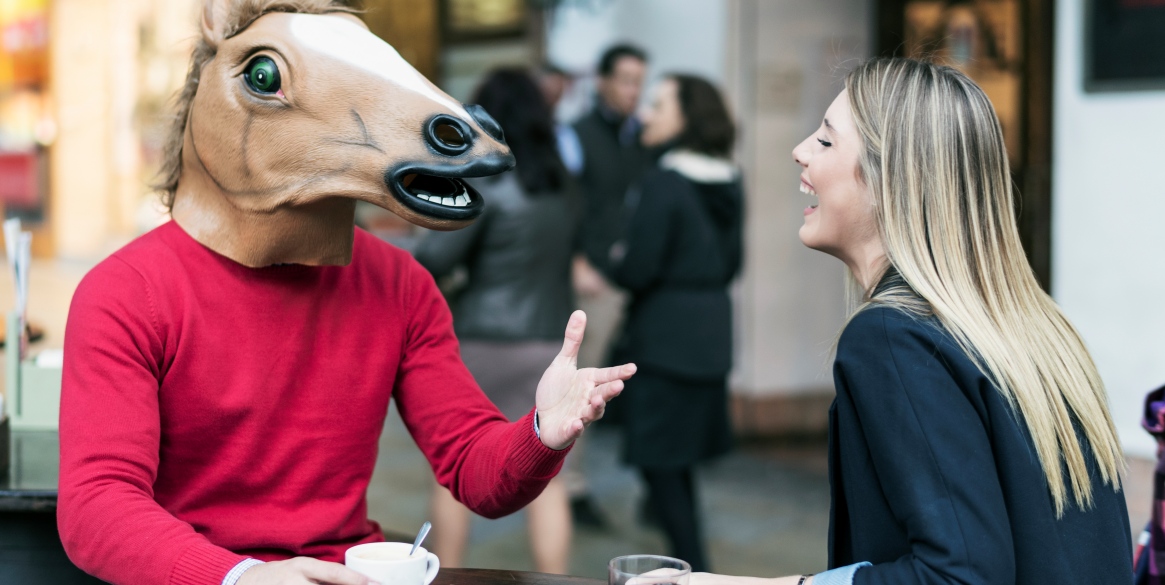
[612,158]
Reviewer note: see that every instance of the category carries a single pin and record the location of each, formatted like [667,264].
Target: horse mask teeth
[298,116]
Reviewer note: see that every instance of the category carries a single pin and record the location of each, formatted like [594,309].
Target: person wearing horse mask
[228,374]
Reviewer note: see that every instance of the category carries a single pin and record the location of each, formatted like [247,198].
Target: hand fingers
[605,392]
[597,413]
[595,406]
[574,430]
[623,372]
[574,335]
[331,573]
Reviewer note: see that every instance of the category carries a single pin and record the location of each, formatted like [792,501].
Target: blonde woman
[970,441]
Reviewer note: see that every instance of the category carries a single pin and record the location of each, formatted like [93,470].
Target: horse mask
[293,116]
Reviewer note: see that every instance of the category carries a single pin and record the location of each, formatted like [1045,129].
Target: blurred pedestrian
[612,158]
[554,83]
[680,249]
[517,295]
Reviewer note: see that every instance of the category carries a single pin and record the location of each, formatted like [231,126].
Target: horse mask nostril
[486,122]
[448,135]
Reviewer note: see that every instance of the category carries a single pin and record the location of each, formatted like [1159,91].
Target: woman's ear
[214,18]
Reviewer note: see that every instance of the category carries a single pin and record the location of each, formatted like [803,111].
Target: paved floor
[765,509]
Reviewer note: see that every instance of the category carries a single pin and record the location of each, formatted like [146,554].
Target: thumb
[574,335]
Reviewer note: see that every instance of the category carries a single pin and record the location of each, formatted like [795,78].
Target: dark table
[30,546]
[493,577]
[31,483]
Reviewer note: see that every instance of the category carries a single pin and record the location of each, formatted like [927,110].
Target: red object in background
[19,179]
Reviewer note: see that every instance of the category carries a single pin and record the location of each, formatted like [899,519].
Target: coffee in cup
[389,563]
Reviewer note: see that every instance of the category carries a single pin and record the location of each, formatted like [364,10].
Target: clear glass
[647,570]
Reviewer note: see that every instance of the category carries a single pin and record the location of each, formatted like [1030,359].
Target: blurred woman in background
[517,297]
[681,248]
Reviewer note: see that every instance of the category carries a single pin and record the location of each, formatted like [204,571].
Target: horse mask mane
[291,113]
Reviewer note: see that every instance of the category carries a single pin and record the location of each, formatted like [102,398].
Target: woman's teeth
[806,189]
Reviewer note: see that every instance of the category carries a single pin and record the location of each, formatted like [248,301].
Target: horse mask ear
[214,19]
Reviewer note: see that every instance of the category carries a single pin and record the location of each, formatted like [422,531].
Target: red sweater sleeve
[109,523]
[492,466]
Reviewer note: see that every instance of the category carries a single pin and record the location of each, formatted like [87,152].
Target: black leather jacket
[518,256]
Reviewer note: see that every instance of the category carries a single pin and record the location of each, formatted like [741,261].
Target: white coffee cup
[389,563]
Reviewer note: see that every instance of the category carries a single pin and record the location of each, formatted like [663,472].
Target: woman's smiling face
[842,223]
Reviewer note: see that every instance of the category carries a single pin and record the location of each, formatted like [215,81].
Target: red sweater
[211,411]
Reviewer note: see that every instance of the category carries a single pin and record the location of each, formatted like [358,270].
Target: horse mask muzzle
[436,190]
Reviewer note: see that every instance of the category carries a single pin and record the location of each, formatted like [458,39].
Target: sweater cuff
[532,458]
[202,564]
[237,572]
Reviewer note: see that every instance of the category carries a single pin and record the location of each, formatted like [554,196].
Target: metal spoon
[420,537]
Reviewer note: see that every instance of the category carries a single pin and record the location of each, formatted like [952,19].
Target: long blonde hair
[936,166]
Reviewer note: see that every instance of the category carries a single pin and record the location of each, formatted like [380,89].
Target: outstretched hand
[568,398]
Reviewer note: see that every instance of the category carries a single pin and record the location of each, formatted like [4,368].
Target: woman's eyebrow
[828,125]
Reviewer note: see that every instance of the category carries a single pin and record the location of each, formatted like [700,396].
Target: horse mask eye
[262,75]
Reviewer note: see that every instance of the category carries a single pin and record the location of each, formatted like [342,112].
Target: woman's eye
[825,143]
[262,75]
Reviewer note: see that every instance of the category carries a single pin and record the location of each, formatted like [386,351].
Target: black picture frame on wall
[1124,45]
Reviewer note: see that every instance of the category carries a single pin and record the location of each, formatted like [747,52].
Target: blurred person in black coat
[681,247]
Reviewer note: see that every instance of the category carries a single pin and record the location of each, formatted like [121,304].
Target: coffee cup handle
[434,565]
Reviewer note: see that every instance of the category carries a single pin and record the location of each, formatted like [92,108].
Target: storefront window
[26,126]
[982,39]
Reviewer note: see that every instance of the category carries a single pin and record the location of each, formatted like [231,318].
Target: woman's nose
[799,155]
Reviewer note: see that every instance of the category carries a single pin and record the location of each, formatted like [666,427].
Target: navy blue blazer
[935,479]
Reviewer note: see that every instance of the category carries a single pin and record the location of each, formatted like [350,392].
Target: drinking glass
[647,570]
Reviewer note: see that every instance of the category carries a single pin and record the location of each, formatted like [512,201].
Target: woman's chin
[809,237]
[806,235]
